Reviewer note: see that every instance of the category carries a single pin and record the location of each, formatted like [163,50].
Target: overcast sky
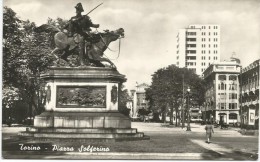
[151,27]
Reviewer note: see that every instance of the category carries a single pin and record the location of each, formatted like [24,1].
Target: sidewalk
[195,128]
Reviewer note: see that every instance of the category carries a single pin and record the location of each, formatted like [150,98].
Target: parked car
[196,120]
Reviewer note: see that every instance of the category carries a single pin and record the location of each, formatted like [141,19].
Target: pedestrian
[221,124]
[209,130]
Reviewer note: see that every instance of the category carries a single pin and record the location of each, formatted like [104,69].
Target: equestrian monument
[82,98]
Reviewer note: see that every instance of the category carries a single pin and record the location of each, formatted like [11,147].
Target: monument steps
[83,130]
[81,135]
[132,139]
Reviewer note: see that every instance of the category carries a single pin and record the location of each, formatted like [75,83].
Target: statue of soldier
[75,24]
[80,24]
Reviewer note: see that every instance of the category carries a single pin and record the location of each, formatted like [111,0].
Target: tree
[26,55]
[123,99]
[166,91]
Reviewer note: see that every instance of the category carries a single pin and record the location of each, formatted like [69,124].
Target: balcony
[191,42]
[191,55]
[191,48]
[191,36]
[193,61]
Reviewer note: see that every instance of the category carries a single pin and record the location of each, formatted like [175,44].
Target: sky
[151,27]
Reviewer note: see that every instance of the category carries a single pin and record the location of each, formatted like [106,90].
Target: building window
[209,39]
[209,27]
[222,77]
[232,116]
[232,105]
[191,39]
[232,77]
[222,106]
[209,33]
[233,86]
[222,86]
[191,33]
[232,96]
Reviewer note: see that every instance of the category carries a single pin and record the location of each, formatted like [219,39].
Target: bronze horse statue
[95,49]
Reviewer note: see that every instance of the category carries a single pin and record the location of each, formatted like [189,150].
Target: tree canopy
[26,55]
[166,90]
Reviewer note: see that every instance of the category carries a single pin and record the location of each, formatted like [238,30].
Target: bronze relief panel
[81,97]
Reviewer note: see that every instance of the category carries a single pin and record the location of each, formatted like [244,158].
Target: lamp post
[182,109]
[188,109]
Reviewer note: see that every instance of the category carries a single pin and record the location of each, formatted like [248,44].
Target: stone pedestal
[82,103]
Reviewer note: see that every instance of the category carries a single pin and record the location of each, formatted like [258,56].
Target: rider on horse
[76,26]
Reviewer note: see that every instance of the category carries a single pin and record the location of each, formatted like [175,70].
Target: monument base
[82,103]
[101,126]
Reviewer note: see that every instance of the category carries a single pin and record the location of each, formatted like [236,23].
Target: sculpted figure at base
[76,37]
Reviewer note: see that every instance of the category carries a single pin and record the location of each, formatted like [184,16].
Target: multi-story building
[222,92]
[198,46]
[249,84]
[138,99]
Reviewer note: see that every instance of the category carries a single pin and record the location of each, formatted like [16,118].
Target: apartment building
[249,84]
[222,92]
[198,46]
[138,99]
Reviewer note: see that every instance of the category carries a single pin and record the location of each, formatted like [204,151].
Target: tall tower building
[198,46]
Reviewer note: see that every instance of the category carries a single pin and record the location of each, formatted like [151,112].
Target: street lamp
[188,109]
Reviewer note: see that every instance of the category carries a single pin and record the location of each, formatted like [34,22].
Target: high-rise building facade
[198,46]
